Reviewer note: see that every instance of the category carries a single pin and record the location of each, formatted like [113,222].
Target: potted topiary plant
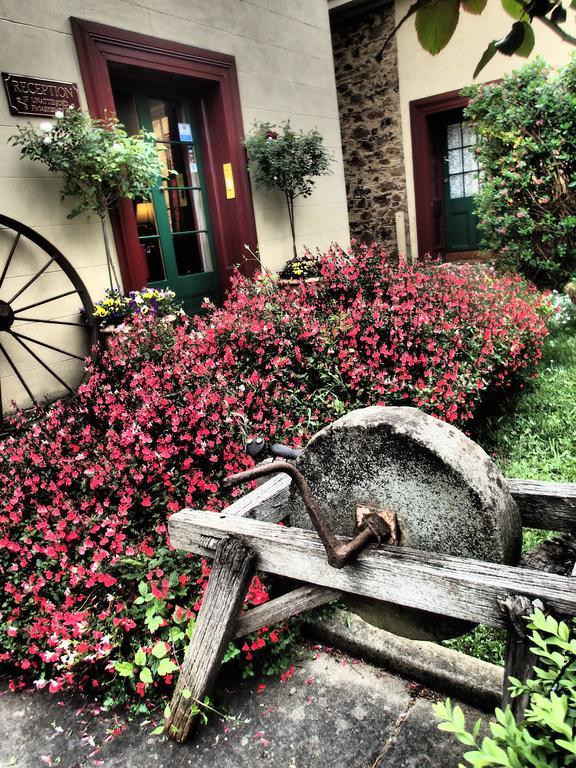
[99,162]
[288,160]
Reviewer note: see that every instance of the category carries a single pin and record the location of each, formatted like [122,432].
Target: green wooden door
[461,178]
[174,229]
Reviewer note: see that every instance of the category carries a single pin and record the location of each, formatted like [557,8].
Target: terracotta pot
[297,280]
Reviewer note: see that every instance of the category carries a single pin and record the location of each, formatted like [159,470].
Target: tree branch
[414,8]
[558,30]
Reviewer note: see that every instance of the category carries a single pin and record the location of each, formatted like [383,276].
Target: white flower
[47,140]
[46,127]
[58,114]
[116,147]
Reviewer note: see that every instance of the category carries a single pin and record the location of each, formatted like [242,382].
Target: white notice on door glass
[185,131]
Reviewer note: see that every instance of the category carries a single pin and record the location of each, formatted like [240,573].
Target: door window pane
[462,163]
[150,241]
[182,188]
[456,186]
[454,136]
[470,184]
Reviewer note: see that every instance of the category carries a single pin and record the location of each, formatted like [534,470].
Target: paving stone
[334,712]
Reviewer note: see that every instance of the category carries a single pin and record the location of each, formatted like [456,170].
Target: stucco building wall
[285,71]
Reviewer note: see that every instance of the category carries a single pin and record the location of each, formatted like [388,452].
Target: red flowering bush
[93,596]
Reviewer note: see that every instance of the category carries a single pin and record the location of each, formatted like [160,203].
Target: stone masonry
[370,122]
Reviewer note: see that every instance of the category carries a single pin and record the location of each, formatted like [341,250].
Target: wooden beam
[225,593]
[519,658]
[281,608]
[452,586]
[267,502]
[545,505]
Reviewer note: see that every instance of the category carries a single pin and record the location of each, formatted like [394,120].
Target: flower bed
[94,596]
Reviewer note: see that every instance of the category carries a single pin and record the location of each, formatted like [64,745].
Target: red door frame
[426,189]
[233,222]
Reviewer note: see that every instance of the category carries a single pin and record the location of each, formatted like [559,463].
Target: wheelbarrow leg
[215,625]
[519,660]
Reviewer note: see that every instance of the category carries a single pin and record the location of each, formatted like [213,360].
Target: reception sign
[38,97]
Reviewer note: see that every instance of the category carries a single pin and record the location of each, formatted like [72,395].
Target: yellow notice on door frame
[229,181]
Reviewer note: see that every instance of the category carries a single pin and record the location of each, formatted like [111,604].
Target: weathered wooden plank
[281,608]
[267,502]
[518,656]
[453,586]
[225,593]
[546,505]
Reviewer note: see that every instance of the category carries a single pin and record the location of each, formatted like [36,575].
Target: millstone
[447,494]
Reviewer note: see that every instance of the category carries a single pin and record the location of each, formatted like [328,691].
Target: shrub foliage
[93,595]
[545,737]
[526,127]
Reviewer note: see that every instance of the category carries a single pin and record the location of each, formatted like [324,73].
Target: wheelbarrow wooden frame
[245,538]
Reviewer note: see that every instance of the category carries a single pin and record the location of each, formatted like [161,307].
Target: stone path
[333,712]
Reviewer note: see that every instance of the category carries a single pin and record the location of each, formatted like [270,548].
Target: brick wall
[370,123]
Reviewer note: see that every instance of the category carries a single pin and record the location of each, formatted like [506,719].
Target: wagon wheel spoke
[45,344]
[43,364]
[9,259]
[32,280]
[18,374]
[44,301]
[66,331]
[50,322]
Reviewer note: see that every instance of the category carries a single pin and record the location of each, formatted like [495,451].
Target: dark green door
[174,230]
[460,181]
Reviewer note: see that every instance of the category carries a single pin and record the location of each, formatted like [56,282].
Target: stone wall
[370,122]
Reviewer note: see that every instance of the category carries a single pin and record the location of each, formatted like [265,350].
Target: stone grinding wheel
[448,497]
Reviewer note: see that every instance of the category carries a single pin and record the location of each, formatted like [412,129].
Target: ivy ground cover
[93,596]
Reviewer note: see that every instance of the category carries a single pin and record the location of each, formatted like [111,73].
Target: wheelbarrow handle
[338,552]
[259,449]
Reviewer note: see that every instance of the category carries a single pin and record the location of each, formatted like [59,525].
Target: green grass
[531,435]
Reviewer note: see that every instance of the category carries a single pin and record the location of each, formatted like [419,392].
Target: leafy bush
[526,127]
[100,164]
[288,160]
[93,594]
[546,736]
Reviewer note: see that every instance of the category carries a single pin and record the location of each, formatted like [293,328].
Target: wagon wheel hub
[6,316]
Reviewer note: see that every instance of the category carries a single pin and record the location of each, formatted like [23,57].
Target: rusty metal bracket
[338,552]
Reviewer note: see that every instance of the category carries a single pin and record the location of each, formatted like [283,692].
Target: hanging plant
[99,162]
[284,159]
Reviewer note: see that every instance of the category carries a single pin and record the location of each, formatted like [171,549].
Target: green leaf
[487,56]
[157,731]
[124,668]
[159,650]
[166,667]
[528,43]
[186,694]
[140,658]
[436,23]
[513,8]
[474,6]
[145,675]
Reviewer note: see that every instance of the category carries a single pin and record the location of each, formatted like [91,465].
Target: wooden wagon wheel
[41,295]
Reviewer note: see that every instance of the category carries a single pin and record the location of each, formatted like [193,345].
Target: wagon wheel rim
[23,315]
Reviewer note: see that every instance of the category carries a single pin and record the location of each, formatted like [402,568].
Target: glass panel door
[461,181]
[174,228]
